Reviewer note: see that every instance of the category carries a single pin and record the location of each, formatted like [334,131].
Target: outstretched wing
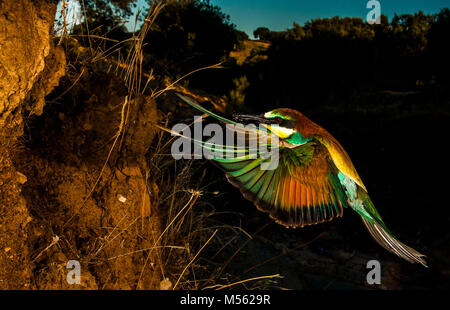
[303,190]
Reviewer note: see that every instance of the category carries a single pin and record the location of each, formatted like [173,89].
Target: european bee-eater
[314,180]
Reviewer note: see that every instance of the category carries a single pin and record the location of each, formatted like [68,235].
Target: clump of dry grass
[195,236]
[187,231]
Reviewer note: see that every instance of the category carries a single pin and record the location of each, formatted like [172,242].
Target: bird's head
[282,122]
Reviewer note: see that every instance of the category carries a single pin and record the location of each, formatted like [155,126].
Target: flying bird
[314,181]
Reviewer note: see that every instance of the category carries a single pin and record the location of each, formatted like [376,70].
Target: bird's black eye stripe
[275,120]
[286,123]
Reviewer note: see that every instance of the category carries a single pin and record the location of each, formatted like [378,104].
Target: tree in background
[262,33]
[324,60]
[241,36]
[296,33]
[107,19]
[187,35]
[108,14]
[439,45]
[329,60]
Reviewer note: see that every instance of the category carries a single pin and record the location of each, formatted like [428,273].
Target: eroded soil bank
[74,180]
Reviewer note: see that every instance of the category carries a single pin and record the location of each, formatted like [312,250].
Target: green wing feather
[303,190]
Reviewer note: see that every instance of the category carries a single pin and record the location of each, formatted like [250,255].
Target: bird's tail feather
[384,238]
[381,234]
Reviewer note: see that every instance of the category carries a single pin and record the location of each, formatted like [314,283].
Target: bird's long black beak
[246,118]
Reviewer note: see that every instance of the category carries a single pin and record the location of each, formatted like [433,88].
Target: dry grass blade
[117,135]
[55,240]
[134,59]
[71,86]
[87,25]
[170,86]
[191,201]
[146,249]
[63,13]
[241,247]
[108,241]
[247,280]
[193,259]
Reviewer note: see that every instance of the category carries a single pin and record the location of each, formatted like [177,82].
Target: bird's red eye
[278,120]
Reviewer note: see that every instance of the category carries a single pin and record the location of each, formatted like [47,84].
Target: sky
[278,15]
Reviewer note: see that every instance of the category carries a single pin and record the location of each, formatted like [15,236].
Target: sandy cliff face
[29,69]
[50,210]
[24,46]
